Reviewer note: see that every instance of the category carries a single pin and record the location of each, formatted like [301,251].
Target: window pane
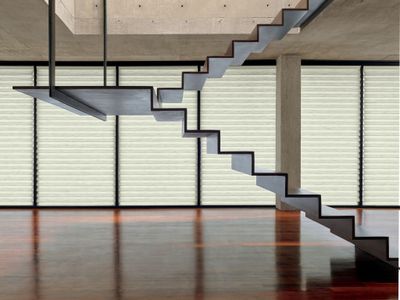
[157,165]
[381,135]
[16,137]
[242,106]
[75,153]
[330,132]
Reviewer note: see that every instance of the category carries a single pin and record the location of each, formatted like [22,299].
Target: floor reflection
[199,258]
[118,280]
[181,254]
[36,253]
[287,250]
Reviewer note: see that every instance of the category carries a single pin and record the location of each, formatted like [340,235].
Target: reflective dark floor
[181,254]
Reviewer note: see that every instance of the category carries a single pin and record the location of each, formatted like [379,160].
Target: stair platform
[103,100]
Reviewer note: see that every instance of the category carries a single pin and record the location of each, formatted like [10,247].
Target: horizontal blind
[157,165]
[381,135]
[330,132]
[16,137]
[75,153]
[242,106]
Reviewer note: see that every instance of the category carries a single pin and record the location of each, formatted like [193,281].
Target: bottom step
[374,231]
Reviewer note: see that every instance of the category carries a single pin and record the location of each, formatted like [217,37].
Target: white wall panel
[157,165]
[75,153]
[242,106]
[381,135]
[16,137]
[330,132]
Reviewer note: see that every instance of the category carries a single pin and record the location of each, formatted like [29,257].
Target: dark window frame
[198,64]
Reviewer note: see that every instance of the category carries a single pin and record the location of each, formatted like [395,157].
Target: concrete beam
[138,17]
[65,10]
[288,120]
[341,32]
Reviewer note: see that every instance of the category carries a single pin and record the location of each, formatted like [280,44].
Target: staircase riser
[242,163]
[212,145]
[377,248]
[275,184]
[194,82]
[171,96]
[168,116]
[218,66]
[273,33]
[340,227]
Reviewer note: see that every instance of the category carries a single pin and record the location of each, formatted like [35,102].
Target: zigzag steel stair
[339,223]
[88,97]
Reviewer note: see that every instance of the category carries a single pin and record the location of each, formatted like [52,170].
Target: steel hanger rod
[52,45]
[105,42]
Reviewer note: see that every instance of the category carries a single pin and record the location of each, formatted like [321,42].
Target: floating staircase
[103,101]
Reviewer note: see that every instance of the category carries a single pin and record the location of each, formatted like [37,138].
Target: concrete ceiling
[170,17]
[346,30]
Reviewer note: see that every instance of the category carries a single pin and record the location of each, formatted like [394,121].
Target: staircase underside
[108,101]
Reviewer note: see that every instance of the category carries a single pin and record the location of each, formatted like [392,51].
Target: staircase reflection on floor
[181,254]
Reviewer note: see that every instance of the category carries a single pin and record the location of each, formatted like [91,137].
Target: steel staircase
[342,225]
[339,223]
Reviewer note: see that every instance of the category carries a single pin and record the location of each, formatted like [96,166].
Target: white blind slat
[75,153]
[16,137]
[157,165]
[330,132]
[381,135]
[242,106]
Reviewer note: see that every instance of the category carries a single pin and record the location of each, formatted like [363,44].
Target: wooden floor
[181,254]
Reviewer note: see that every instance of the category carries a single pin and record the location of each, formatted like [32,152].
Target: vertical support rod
[116,203]
[361,141]
[35,164]
[36,253]
[198,204]
[52,46]
[105,42]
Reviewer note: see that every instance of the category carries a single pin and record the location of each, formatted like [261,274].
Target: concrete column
[288,120]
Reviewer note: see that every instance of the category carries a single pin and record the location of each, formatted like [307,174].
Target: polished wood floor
[181,254]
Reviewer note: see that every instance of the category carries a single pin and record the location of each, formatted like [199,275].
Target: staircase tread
[330,211]
[300,191]
[263,170]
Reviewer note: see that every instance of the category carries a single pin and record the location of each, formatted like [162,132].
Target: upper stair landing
[97,101]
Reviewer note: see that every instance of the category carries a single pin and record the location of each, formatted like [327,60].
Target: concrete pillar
[288,121]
